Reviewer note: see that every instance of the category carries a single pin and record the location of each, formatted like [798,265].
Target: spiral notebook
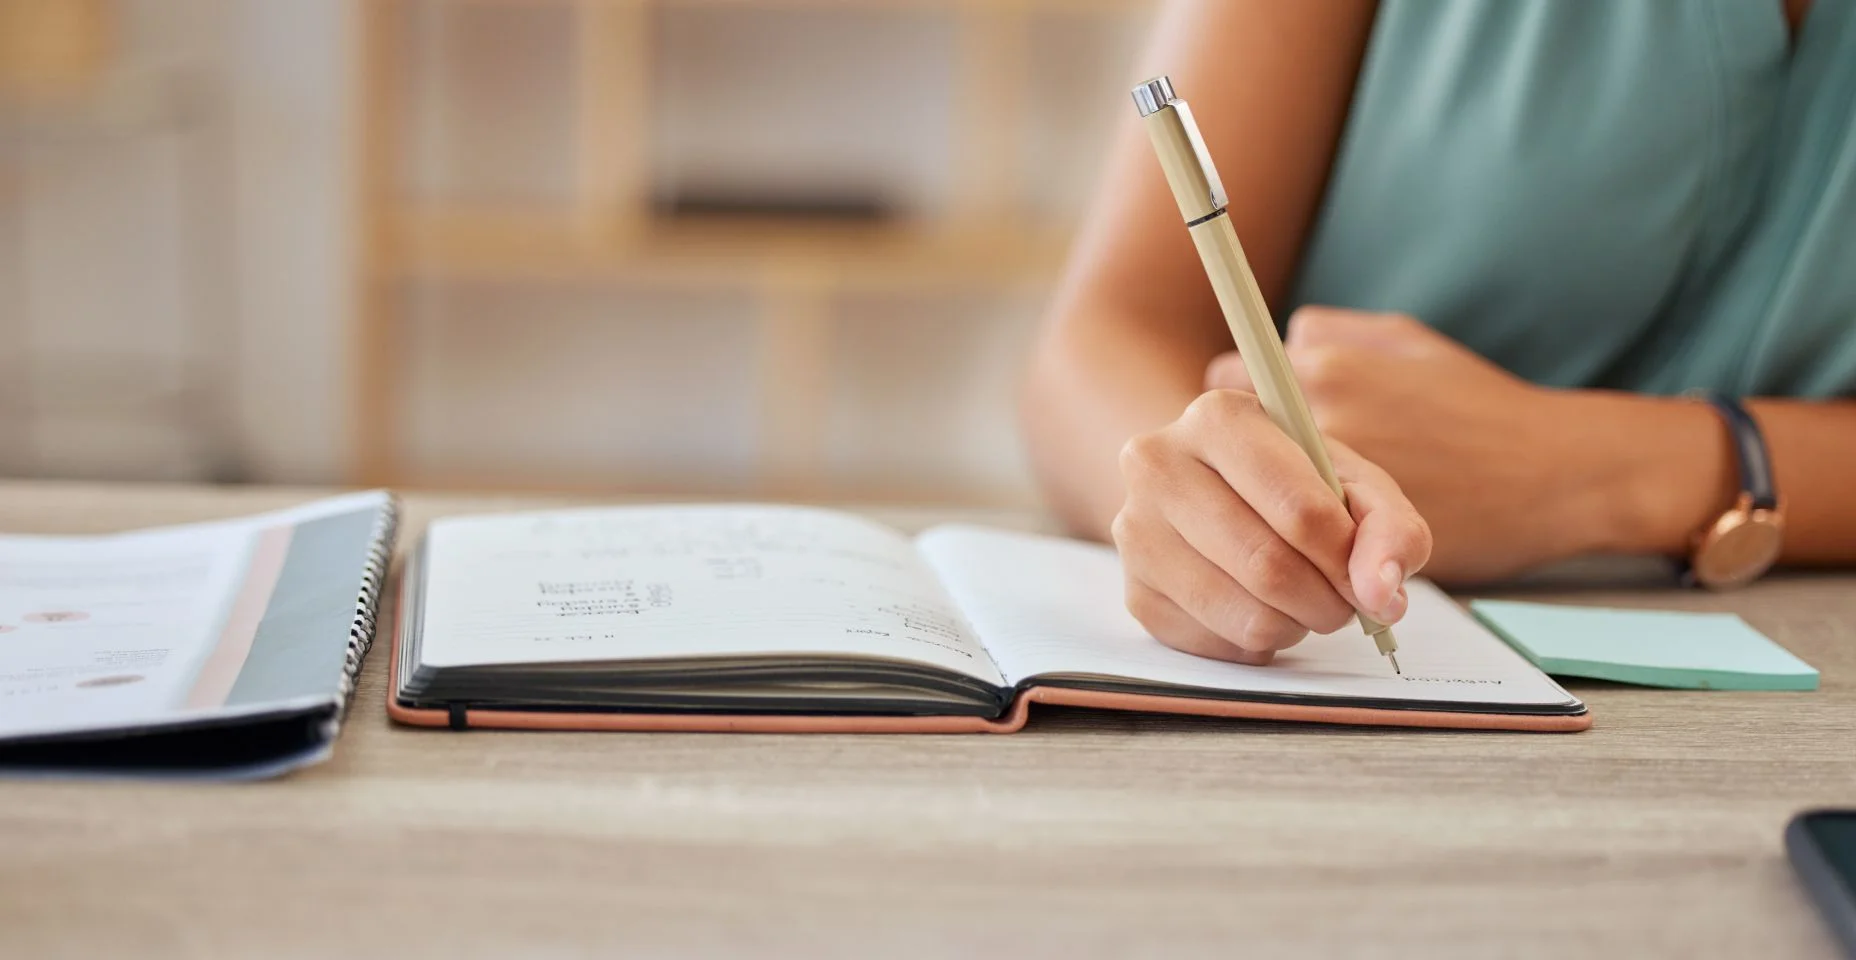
[777,618]
[222,649]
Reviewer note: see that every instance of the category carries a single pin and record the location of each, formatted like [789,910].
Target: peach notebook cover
[603,619]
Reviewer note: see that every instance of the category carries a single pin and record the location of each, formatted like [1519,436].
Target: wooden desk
[1657,833]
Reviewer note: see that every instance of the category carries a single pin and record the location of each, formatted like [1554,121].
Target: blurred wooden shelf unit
[613,227]
[710,251]
[53,49]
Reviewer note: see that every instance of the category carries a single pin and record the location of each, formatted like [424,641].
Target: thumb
[1226,372]
[1391,541]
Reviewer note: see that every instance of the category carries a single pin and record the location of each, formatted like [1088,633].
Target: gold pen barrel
[1261,347]
[1201,198]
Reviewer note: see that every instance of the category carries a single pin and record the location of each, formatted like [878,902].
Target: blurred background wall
[786,248]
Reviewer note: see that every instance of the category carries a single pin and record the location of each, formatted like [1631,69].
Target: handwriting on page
[668,582]
[917,623]
[734,568]
[601,597]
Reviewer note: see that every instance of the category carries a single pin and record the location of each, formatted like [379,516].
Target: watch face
[1738,551]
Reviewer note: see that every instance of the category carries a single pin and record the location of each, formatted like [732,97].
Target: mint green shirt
[1654,195]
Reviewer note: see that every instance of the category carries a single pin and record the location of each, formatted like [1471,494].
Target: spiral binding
[367,604]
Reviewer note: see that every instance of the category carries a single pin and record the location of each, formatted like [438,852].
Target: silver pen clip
[1156,95]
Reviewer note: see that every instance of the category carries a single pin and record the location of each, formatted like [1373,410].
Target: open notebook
[222,649]
[794,618]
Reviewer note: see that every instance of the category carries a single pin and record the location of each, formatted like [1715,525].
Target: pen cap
[1188,165]
[1154,94]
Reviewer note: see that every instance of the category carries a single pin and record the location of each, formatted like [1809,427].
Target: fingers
[1157,558]
[1229,524]
[1227,372]
[1393,541]
[1313,327]
[1225,530]
[1276,479]
[1316,334]
[1214,601]
[1177,629]
[1366,548]
[1323,342]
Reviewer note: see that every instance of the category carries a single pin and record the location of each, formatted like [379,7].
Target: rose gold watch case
[1739,546]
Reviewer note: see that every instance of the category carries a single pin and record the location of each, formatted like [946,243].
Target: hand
[1235,548]
[1493,462]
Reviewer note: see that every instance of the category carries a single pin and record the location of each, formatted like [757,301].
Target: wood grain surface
[1657,833]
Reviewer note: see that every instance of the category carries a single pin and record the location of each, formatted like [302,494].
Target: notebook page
[1044,605]
[685,581]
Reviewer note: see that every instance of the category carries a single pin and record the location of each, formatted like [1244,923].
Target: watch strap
[1750,450]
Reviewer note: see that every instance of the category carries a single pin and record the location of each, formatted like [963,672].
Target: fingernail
[1392,574]
[1394,608]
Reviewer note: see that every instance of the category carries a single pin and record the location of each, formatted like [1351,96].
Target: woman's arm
[1685,474]
[1134,323]
[1231,543]
[1511,475]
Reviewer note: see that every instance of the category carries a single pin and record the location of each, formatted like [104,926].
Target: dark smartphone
[1822,847]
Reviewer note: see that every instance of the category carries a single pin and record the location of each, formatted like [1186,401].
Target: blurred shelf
[52,49]
[791,269]
[708,251]
[121,104]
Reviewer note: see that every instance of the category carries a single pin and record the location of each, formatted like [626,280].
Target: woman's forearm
[1511,475]
[1093,385]
[1135,321]
[1677,472]
[1814,460]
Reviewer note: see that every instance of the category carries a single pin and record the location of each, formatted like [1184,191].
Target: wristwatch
[1743,543]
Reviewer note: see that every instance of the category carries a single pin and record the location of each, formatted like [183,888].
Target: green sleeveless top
[1654,196]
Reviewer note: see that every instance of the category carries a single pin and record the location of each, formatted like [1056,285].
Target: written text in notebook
[768,610]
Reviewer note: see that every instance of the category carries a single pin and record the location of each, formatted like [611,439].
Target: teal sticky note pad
[1653,648]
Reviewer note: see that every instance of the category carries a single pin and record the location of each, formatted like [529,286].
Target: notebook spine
[367,603]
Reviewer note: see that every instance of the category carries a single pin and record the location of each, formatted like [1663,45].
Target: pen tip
[1394,658]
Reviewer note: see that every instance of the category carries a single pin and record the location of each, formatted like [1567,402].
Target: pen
[1201,198]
